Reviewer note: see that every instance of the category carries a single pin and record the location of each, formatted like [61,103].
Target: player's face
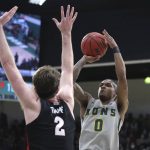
[106,90]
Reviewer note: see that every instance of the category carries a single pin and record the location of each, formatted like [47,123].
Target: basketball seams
[104,45]
[97,45]
[91,49]
[83,45]
[101,44]
[92,52]
[93,44]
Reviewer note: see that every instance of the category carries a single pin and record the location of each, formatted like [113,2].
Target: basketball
[94,44]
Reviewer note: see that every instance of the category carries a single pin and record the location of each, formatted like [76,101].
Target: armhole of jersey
[120,123]
[117,108]
[27,140]
[71,113]
[88,105]
[41,111]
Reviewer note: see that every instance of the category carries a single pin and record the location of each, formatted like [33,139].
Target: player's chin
[102,97]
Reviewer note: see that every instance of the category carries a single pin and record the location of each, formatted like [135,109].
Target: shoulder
[92,102]
[67,106]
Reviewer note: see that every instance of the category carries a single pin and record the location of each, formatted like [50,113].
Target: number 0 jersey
[100,127]
[53,129]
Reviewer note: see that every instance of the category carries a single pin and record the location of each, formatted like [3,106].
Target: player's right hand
[8,15]
[91,59]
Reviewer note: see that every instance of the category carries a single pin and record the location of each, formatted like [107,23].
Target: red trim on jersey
[27,141]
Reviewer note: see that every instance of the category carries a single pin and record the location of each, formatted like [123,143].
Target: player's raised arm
[67,60]
[122,90]
[8,63]
[6,56]
[80,95]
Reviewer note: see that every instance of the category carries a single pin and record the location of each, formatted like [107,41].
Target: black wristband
[116,50]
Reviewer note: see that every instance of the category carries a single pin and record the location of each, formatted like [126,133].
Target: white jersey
[100,127]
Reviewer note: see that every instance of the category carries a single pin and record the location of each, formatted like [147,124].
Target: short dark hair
[46,81]
[114,83]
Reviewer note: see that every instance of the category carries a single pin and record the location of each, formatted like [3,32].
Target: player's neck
[105,102]
[53,100]
[108,101]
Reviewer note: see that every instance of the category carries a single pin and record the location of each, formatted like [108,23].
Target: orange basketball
[94,44]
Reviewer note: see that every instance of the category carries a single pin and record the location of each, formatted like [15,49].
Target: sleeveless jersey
[53,129]
[100,127]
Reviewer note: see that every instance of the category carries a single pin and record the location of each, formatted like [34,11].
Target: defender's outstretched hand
[111,42]
[65,25]
[7,16]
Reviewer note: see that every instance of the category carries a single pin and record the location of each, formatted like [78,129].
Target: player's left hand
[111,42]
[8,15]
[66,23]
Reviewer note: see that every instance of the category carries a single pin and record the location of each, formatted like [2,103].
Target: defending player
[48,105]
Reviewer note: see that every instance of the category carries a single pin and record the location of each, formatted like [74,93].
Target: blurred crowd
[134,135]
[12,136]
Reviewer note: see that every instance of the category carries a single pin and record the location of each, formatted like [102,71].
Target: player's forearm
[67,52]
[6,56]
[78,67]
[119,65]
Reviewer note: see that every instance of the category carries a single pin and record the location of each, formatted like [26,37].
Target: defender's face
[106,90]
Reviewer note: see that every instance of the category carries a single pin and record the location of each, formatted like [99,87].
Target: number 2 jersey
[53,129]
[100,127]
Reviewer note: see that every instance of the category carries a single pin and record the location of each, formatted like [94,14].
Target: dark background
[127,21]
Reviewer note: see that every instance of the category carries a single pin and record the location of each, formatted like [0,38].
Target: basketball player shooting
[48,105]
[102,118]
